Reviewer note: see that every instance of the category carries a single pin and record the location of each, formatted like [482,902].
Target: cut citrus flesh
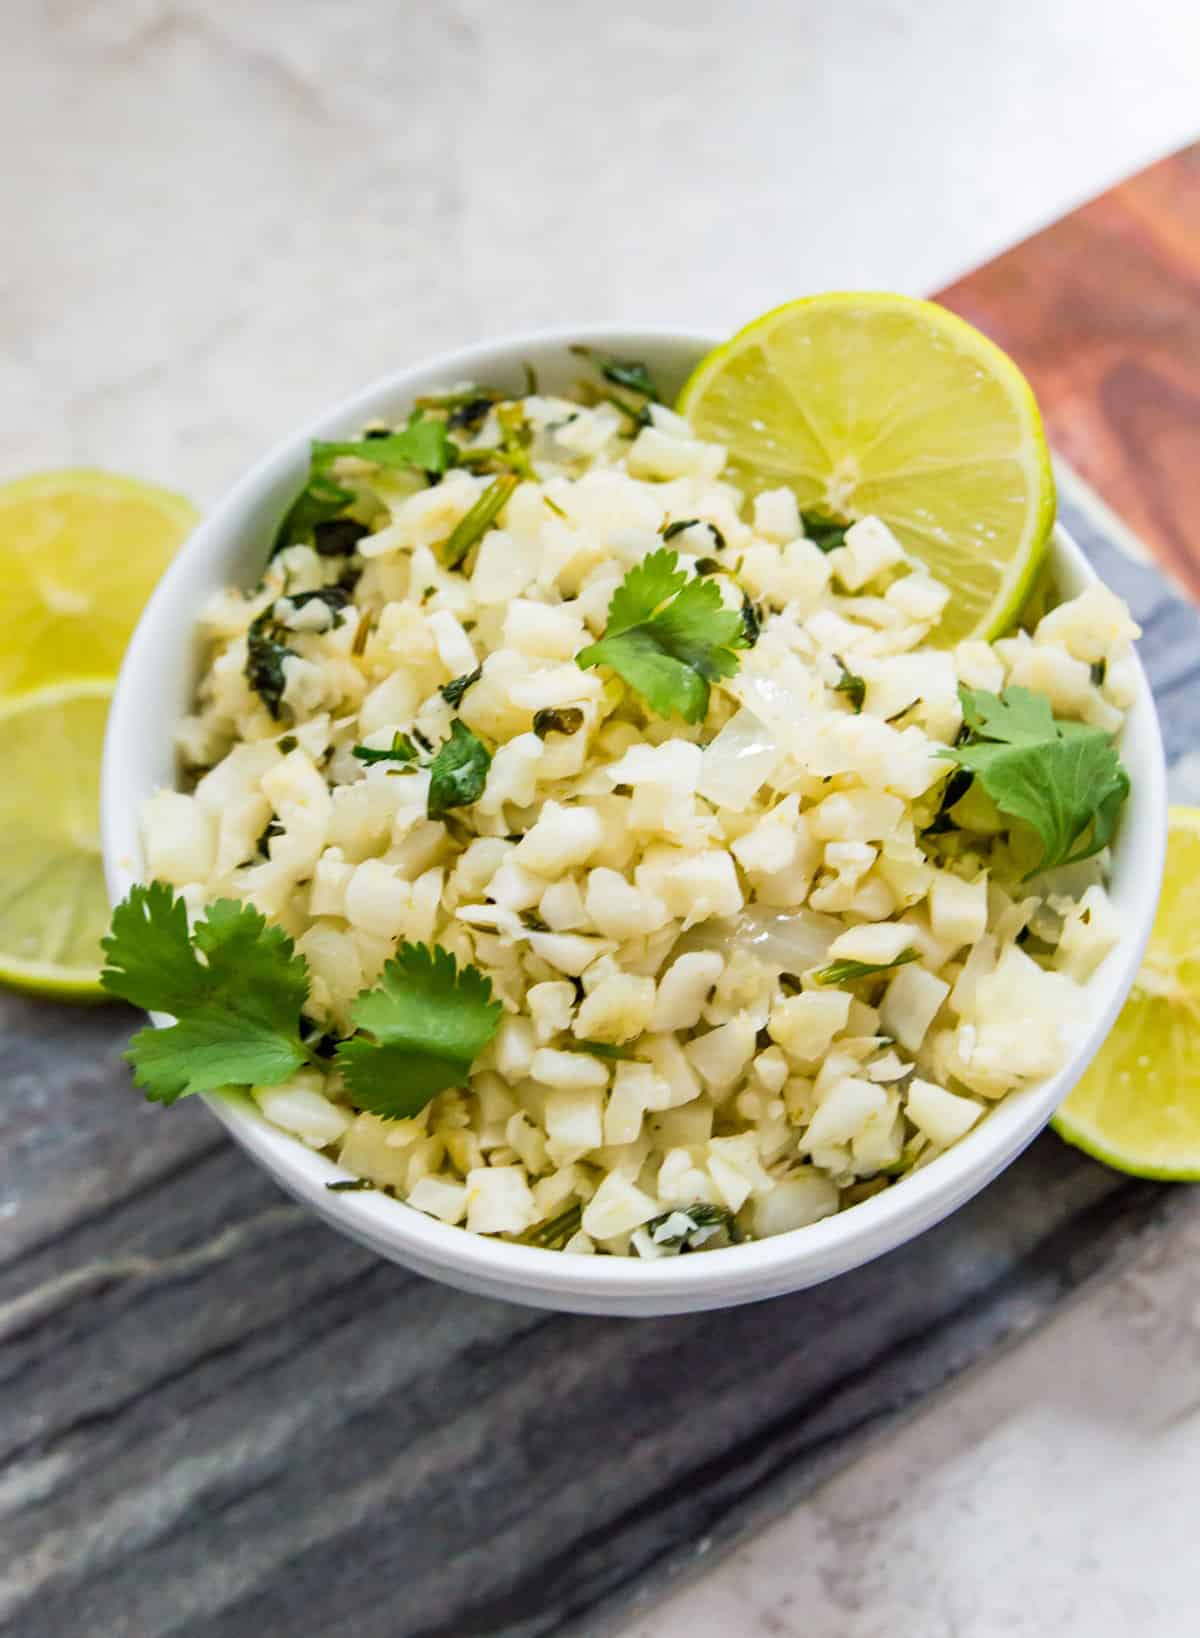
[53,903]
[80,553]
[1138,1105]
[868,403]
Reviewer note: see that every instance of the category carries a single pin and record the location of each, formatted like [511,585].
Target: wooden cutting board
[221,1420]
[1102,312]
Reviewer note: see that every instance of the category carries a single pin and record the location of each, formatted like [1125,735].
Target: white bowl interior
[155,691]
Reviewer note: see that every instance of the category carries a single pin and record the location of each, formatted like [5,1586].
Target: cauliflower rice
[668,892]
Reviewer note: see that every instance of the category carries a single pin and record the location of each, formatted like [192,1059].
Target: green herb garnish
[458,772]
[238,1009]
[266,649]
[622,372]
[557,719]
[350,1185]
[849,683]
[453,691]
[668,636]
[424,445]
[265,655]
[824,530]
[1062,779]
[238,990]
[476,522]
[425,1023]
[848,972]
[401,749]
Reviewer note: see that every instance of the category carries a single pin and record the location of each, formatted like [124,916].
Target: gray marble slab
[221,1420]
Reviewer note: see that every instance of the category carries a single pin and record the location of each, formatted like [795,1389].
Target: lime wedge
[867,403]
[53,904]
[1138,1106]
[79,555]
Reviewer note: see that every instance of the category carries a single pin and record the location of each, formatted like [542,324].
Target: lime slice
[872,403]
[1138,1106]
[79,555]
[53,904]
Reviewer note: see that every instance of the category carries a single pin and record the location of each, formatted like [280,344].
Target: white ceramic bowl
[155,691]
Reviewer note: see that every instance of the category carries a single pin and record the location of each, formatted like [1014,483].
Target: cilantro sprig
[424,1025]
[1062,779]
[235,984]
[424,445]
[668,636]
[238,991]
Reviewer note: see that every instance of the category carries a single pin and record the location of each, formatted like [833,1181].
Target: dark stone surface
[220,1419]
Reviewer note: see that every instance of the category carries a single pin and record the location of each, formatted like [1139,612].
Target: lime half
[1138,1106]
[867,403]
[53,904]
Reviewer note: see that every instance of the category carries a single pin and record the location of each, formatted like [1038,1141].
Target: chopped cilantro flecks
[851,684]
[622,372]
[401,749]
[557,719]
[453,691]
[825,531]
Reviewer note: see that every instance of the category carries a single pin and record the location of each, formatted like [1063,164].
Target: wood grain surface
[221,1420]
[1102,312]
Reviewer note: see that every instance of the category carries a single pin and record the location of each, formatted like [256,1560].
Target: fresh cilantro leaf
[453,691]
[425,1023]
[458,771]
[622,372]
[238,1008]
[476,522]
[1063,779]
[668,636]
[557,719]
[401,749]
[825,531]
[424,445]
[849,683]
[847,972]
[319,503]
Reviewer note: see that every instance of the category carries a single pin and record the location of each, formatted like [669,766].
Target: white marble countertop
[222,215]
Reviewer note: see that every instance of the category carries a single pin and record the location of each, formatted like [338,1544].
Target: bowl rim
[800,1257]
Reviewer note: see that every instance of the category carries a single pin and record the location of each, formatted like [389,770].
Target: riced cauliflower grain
[746,964]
